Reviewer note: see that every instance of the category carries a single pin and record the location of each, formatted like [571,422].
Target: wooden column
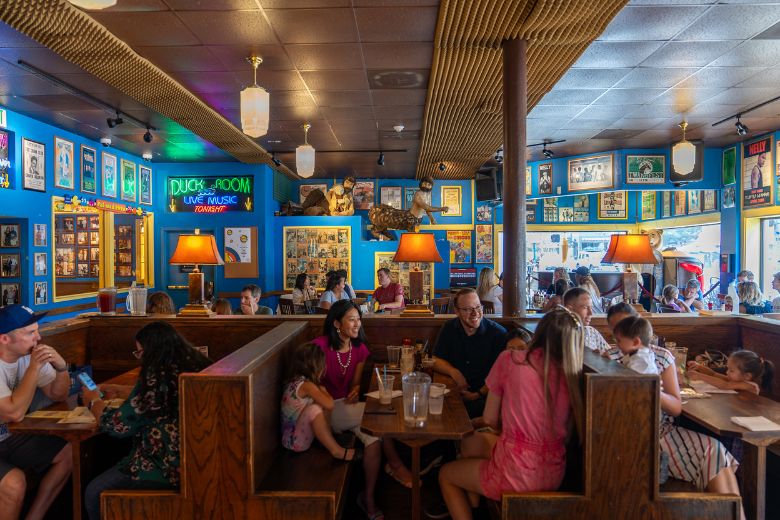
[515,104]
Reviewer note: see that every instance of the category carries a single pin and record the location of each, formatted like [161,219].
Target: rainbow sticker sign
[210,194]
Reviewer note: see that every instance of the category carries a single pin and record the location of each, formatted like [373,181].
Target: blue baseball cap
[16,316]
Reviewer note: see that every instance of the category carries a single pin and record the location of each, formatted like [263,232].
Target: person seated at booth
[745,276]
[561,286]
[584,280]
[250,302]
[490,291]
[389,294]
[560,273]
[467,347]
[303,290]
[160,303]
[222,307]
[347,287]
[751,301]
[691,295]
[579,301]
[776,287]
[670,298]
[334,290]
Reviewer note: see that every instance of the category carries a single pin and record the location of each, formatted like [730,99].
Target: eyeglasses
[138,353]
[471,310]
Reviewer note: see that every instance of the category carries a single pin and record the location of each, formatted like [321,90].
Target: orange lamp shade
[417,247]
[196,249]
[629,249]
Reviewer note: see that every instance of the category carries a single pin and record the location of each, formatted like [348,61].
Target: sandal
[377,515]
[405,483]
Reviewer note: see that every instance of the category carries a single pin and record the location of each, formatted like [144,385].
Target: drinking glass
[136,301]
[106,301]
[427,366]
[393,355]
[436,399]
[407,359]
[386,389]
[416,389]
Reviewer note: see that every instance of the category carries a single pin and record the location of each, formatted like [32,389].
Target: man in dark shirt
[467,347]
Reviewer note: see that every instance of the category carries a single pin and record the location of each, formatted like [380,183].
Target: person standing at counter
[389,294]
[489,291]
[585,281]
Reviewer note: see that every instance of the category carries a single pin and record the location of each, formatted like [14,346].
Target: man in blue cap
[26,365]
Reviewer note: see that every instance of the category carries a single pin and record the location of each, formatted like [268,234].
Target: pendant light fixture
[93,4]
[683,154]
[304,155]
[255,106]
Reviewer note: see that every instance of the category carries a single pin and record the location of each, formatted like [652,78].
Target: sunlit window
[770,255]
[702,243]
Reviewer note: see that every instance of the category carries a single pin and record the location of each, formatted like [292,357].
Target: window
[702,243]
[770,257]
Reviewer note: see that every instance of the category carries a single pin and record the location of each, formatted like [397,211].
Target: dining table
[715,412]
[77,434]
[388,421]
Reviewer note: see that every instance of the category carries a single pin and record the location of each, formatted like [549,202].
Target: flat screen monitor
[486,186]
[463,277]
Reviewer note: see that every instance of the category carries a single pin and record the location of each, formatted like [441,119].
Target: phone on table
[87,381]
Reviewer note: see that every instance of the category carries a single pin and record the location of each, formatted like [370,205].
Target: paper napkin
[756,424]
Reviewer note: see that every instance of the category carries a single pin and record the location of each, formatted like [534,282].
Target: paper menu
[706,388]
[756,424]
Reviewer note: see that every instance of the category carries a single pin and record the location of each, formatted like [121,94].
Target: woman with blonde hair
[585,280]
[560,273]
[532,395]
[489,291]
[751,301]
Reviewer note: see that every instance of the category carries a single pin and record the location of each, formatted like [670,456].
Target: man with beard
[419,206]
[384,217]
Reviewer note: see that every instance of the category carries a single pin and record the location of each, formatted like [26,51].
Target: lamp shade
[93,4]
[683,157]
[196,249]
[629,249]
[304,160]
[417,247]
[255,111]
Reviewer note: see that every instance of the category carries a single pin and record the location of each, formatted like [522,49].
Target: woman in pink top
[532,395]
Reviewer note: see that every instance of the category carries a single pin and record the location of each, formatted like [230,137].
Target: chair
[310,306]
[286,306]
[488,308]
[665,309]
[441,305]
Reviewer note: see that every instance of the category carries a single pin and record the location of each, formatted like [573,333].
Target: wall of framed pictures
[399,273]
[11,267]
[315,250]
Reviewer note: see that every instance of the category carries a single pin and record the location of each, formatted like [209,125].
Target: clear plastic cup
[386,389]
[416,388]
[436,398]
[393,356]
[407,359]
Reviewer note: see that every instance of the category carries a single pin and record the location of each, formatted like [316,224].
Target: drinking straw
[385,372]
[379,378]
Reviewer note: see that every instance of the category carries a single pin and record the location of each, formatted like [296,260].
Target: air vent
[398,79]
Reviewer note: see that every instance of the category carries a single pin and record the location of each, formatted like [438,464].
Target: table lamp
[630,249]
[196,249]
[417,247]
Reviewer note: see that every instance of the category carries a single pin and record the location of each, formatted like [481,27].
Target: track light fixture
[274,160]
[442,167]
[547,153]
[148,136]
[381,160]
[114,121]
[742,129]
[147,156]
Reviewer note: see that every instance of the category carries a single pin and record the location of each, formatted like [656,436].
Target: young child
[746,371]
[304,403]
[670,298]
[518,339]
[633,336]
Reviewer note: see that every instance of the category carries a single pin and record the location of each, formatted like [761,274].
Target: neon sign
[210,194]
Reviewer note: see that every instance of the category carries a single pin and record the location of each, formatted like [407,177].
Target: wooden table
[75,434]
[453,423]
[715,413]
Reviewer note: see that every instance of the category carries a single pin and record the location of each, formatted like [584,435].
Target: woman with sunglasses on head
[150,415]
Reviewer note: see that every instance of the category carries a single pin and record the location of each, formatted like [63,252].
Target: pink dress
[530,454]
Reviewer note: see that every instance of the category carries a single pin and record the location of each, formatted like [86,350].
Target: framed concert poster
[33,165]
[109,175]
[645,169]
[129,182]
[545,179]
[648,205]
[63,163]
[88,170]
[145,185]
[451,198]
[391,196]
[613,205]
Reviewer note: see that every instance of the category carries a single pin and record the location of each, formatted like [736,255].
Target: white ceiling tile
[689,54]
[625,96]
[718,23]
[709,77]
[655,77]
[590,78]
[752,53]
[687,96]
[632,23]
[616,54]
[571,97]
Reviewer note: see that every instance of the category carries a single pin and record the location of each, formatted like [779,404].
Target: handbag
[713,359]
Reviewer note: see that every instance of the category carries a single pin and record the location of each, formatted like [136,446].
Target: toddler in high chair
[305,403]
[746,371]
[633,336]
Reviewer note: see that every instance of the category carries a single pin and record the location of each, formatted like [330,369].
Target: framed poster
[238,245]
[40,264]
[145,185]
[391,196]
[305,189]
[730,166]
[128,184]
[550,210]
[582,201]
[11,294]
[694,202]
[399,273]
[581,214]
[363,195]
[9,266]
[39,235]
[88,170]
[63,163]
[451,197]
[6,179]
[530,212]
[729,196]
[709,200]
[613,205]
[590,173]
[666,204]
[645,169]
[648,205]
[315,250]
[545,179]
[41,293]
[680,202]
[33,165]
[527,180]
[566,214]
[409,197]
[757,173]
[9,235]
[485,213]
[460,246]
[484,248]
[109,175]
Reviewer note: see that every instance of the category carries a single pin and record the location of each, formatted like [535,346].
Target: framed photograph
[709,200]
[82,238]
[566,214]
[545,179]
[11,294]
[94,238]
[613,205]
[40,264]
[581,214]
[729,196]
[363,195]
[550,210]
[391,196]
[582,201]
[648,205]
[530,213]
[528,180]
[41,293]
[305,189]
[451,197]
[6,179]
[88,170]
[145,185]
[9,266]
[484,244]
[9,235]
[33,165]
[485,213]
[680,202]
[645,169]
[40,237]
[63,163]
[82,223]
[757,173]
[666,203]
[460,246]
[730,166]
[128,186]
[694,202]
[67,224]
[64,261]
[591,173]
[94,222]
[109,175]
